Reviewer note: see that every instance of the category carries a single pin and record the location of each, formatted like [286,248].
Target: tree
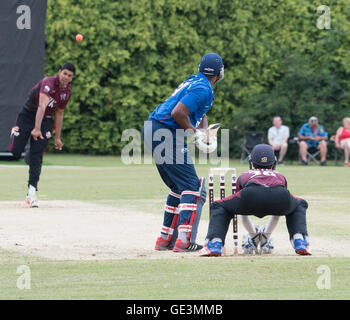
[135,53]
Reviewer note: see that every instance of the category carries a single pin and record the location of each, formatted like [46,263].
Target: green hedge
[136,52]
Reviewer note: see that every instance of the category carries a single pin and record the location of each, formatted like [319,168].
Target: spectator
[313,136]
[278,136]
[342,140]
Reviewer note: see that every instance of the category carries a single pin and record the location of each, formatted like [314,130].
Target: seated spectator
[342,140]
[313,136]
[278,136]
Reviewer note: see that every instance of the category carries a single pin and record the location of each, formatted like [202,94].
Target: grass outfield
[224,278]
[106,180]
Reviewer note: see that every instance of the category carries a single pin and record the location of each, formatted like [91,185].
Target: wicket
[221,172]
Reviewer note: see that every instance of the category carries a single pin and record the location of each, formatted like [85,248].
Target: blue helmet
[211,64]
[263,156]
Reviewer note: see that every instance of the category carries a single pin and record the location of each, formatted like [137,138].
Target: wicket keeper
[185,110]
[261,191]
[43,109]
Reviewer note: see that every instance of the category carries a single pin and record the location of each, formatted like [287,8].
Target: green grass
[59,159]
[198,278]
[106,180]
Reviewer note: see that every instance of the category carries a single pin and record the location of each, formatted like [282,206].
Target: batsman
[181,115]
[261,192]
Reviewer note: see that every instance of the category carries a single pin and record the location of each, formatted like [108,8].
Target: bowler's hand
[58,144]
[36,133]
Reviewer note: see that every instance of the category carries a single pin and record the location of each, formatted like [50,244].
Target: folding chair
[338,153]
[251,139]
[312,153]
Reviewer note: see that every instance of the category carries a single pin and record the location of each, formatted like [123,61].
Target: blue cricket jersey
[195,93]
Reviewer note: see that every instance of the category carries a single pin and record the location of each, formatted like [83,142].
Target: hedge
[135,52]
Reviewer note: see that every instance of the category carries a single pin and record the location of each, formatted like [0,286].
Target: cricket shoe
[250,244]
[301,247]
[162,244]
[32,201]
[266,246]
[180,246]
[211,249]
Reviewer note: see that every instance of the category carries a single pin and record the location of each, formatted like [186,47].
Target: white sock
[31,190]
[216,239]
[298,236]
[248,225]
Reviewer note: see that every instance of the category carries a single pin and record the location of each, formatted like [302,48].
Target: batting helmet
[211,64]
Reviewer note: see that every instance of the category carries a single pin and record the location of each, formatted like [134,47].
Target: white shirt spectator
[277,135]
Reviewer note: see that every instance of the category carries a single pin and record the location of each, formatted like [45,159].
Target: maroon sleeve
[239,185]
[46,86]
[281,177]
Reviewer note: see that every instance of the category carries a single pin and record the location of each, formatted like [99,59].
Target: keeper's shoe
[250,244]
[266,246]
[301,247]
[211,249]
[180,246]
[32,201]
[162,244]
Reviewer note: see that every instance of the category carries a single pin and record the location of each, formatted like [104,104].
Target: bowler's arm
[43,102]
[58,128]
[58,122]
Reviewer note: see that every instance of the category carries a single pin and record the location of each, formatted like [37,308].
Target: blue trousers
[175,166]
[177,176]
